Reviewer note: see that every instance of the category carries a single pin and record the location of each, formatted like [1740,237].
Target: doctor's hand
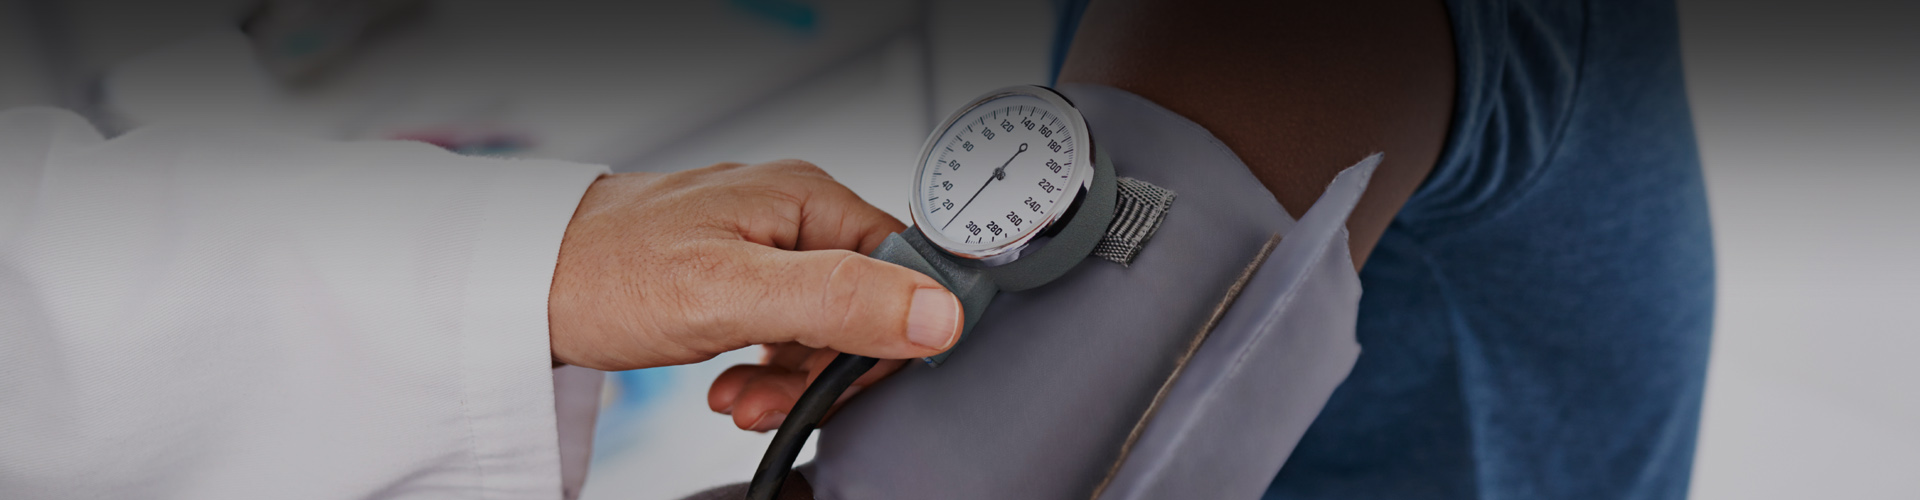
[666,269]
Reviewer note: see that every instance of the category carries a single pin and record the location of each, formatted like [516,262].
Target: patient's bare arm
[1299,90]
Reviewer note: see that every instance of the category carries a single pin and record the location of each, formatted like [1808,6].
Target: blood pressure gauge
[1010,194]
[1003,174]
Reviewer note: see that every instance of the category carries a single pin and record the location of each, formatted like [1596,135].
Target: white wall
[22,78]
[1809,122]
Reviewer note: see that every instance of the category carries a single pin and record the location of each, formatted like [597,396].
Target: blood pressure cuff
[1190,373]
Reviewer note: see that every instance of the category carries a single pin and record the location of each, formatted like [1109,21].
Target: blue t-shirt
[1535,322]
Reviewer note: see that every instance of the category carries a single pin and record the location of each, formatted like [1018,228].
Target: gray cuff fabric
[1055,381]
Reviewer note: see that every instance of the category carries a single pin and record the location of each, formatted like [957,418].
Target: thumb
[851,303]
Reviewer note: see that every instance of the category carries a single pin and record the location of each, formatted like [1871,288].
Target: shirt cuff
[509,381]
[576,401]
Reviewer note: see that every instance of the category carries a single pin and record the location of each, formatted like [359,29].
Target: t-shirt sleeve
[1517,70]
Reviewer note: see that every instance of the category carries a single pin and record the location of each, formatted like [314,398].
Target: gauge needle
[998,173]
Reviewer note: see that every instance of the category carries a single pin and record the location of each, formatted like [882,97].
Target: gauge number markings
[1059,141]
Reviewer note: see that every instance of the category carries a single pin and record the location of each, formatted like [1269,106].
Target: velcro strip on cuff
[1138,212]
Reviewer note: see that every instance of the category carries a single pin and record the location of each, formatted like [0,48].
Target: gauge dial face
[999,173]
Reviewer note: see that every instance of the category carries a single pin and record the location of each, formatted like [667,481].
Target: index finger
[832,217]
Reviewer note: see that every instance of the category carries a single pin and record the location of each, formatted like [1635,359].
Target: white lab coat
[200,314]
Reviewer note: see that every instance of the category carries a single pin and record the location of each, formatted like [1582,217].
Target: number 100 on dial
[999,171]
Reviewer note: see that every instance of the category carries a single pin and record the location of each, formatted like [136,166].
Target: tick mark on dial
[998,173]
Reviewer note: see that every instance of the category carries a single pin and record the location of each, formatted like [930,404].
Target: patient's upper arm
[1299,90]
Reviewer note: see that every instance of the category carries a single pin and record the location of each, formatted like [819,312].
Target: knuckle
[780,195]
[720,167]
[677,182]
[840,306]
[703,291]
[788,183]
[798,167]
[834,300]
[766,211]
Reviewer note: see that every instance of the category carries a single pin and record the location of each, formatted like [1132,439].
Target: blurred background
[1808,117]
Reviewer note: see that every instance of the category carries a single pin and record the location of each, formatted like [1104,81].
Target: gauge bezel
[1081,180]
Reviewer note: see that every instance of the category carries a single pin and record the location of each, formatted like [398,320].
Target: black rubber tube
[801,421]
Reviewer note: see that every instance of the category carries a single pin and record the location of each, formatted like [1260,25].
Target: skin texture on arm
[1299,90]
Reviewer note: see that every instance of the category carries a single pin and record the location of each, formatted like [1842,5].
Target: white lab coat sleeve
[188,313]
